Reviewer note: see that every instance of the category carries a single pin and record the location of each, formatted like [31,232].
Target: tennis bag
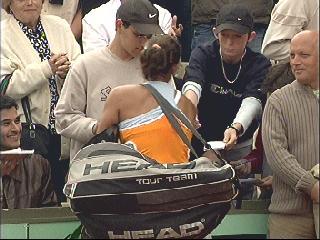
[118,194]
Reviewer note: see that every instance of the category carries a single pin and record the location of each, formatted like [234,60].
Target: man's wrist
[237,127]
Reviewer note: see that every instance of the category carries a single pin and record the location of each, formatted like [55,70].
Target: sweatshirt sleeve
[287,19]
[70,112]
[275,142]
[30,77]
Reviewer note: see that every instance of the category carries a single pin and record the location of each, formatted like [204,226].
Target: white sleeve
[71,119]
[250,109]
[24,80]
[195,87]
[93,36]
[165,19]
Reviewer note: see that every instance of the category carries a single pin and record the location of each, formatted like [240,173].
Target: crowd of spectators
[75,61]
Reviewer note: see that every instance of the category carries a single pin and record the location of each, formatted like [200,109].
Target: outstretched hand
[176,30]
[230,138]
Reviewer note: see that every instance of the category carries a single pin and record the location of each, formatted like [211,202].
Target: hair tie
[157,46]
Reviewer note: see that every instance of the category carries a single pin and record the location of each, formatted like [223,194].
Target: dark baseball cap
[142,15]
[234,17]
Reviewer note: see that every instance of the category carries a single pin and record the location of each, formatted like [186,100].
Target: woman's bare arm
[111,111]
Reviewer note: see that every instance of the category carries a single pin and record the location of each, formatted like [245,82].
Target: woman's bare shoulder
[128,93]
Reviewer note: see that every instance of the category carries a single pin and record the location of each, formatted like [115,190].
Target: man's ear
[118,24]
[214,30]
[252,36]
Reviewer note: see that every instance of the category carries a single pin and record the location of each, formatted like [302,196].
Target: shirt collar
[27,28]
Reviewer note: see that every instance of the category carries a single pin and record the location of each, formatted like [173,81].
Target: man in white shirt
[98,28]
[288,18]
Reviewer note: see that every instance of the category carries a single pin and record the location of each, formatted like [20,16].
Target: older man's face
[304,59]
[10,129]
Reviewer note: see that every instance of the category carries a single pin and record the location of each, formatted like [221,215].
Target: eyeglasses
[137,34]
[142,36]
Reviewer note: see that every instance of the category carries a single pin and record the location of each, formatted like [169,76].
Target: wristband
[236,129]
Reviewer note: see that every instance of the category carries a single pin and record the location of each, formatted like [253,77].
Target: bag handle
[172,113]
[26,109]
[4,84]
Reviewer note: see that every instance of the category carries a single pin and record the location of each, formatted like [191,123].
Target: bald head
[304,58]
[311,37]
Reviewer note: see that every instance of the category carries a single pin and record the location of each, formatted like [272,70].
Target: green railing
[57,223]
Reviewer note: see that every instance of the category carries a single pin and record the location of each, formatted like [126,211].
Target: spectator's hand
[315,193]
[60,64]
[63,64]
[175,30]
[242,167]
[230,138]
[52,61]
[266,182]
[315,171]
[230,135]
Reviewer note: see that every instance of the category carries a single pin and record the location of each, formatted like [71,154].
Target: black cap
[234,17]
[142,15]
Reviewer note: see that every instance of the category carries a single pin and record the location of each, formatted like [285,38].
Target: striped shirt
[290,133]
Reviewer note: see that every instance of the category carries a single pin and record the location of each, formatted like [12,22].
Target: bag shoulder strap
[172,113]
[26,109]
[4,84]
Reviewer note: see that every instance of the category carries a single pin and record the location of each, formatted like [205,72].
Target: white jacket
[29,74]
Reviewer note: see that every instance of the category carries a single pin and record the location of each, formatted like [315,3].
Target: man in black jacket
[204,15]
[223,79]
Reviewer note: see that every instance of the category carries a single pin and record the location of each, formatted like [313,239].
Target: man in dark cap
[204,16]
[93,76]
[223,80]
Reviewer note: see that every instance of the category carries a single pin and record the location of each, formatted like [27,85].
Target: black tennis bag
[118,194]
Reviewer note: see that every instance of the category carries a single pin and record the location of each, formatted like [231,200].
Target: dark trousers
[59,168]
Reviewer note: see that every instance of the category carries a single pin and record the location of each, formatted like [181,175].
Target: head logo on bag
[184,230]
[113,166]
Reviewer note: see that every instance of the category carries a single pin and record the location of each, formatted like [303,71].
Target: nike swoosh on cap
[152,15]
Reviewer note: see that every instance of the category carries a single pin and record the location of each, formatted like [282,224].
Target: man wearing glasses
[92,77]
[98,25]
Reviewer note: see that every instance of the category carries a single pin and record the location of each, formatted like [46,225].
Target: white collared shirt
[99,28]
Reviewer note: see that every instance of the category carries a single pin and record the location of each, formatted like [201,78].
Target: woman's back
[143,124]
